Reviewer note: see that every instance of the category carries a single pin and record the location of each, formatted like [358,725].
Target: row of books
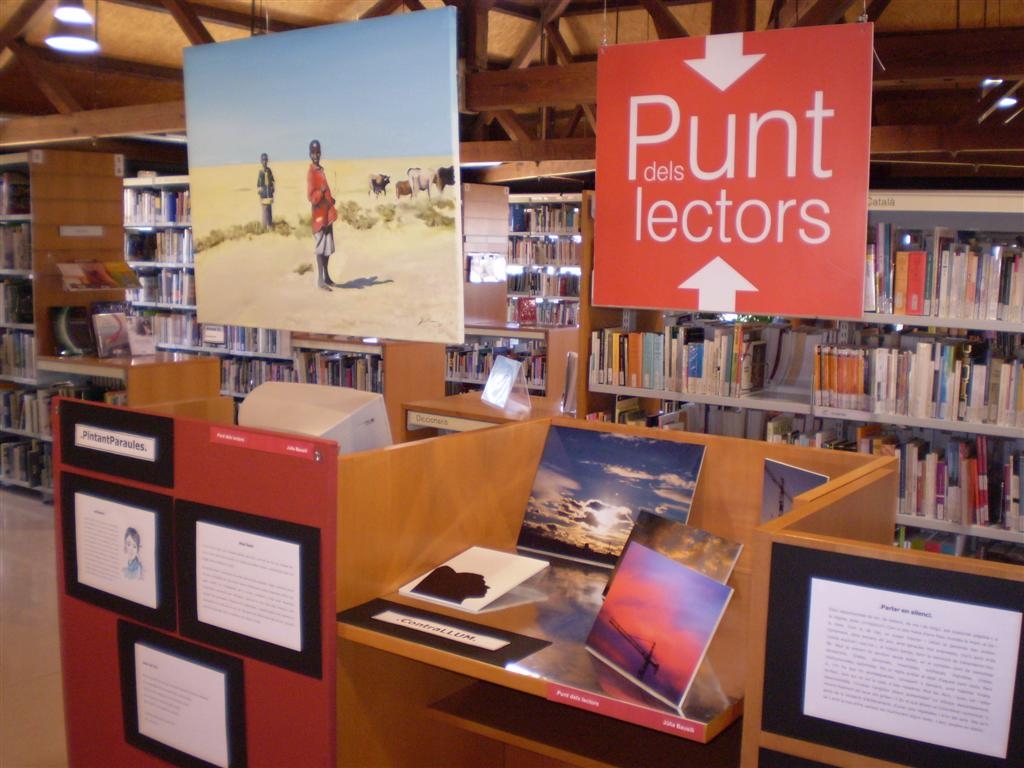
[473,362]
[164,206]
[542,283]
[727,359]
[933,274]
[183,330]
[27,462]
[549,217]
[16,246]
[14,194]
[363,371]
[165,246]
[528,311]
[966,481]
[948,379]
[165,287]
[555,251]
[239,376]
[18,354]
[28,410]
[15,301]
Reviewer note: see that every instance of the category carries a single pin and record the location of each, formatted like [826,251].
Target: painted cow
[419,180]
[402,189]
[379,184]
[444,177]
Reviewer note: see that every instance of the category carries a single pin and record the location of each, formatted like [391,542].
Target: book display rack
[457,705]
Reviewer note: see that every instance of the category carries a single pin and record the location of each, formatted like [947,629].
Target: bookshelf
[55,207]
[841,389]
[541,349]
[543,263]
[455,707]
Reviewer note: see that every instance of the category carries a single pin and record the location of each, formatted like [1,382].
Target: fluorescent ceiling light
[71,39]
[72,12]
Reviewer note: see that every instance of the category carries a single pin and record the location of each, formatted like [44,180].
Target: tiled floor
[31,710]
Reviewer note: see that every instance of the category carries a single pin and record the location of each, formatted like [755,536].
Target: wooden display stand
[408,508]
[466,411]
[849,539]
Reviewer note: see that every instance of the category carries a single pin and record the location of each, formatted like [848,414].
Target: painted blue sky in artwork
[376,88]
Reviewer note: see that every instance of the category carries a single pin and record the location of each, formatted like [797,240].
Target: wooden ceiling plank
[666,25]
[99,64]
[52,88]
[912,139]
[950,54]
[824,12]
[552,11]
[18,21]
[186,18]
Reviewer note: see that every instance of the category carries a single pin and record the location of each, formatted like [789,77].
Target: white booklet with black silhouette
[475,579]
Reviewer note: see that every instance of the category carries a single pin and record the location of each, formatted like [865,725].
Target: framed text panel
[251,584]
[118,548]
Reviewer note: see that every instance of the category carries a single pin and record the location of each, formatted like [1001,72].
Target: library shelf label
[181,702]
[122,443]
[116,441]
[268,443]
[619,709]
[442,629]
[724,177]
[490,645]
[912,666]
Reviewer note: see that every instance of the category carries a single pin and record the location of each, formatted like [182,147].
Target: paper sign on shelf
[734,177]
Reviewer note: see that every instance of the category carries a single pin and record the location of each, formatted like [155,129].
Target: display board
[196,602]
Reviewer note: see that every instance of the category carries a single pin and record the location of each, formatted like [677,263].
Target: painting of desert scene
[393,263]
[359,233]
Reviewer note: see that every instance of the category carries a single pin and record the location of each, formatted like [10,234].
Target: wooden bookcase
[848,540]
[410,507]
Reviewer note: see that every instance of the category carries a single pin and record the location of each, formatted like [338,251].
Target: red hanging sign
[732,172]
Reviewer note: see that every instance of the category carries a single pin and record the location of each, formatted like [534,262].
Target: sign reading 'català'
[733,175]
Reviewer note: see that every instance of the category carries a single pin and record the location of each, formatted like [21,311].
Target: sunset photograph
[590,487]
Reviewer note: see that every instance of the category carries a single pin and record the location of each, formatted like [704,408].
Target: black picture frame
[160,506]
[792,570]
[129,635]
[307,661]
[75,414]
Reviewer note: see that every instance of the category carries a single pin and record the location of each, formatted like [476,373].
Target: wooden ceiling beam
[473,25]
[551,12]
[534,169]
[382,8]
[666,25]
[186,18]
[168,117]
[52,88]
[733,16]
[564,86]
[913,139]
[824,12]
[528,151]
[218,15]
[512,125]
[18,21]
[954,54]
[104,65]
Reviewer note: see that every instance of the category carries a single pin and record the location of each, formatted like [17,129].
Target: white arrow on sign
[716,284]
[724,61]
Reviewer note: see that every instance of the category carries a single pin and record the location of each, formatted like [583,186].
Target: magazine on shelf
[782,483]
[111,330]
[656,623]
[591,485]
[97,275]
[476,580]
[141,338]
